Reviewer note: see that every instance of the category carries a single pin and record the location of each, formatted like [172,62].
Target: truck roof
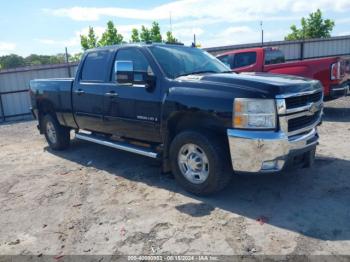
[140,44]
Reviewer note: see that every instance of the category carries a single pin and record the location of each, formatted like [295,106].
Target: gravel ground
[96,200]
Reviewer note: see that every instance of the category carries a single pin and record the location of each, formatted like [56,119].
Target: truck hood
[251,84]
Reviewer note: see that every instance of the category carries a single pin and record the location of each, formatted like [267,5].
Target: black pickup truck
[183,106]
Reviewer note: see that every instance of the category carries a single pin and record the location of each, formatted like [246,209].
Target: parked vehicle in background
[184,107]
[347,71]
[331,71]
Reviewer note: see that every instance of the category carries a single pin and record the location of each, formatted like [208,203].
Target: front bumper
[339,90]
[266,152]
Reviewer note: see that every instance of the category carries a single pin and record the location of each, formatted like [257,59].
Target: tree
[59,58]
[89,41]
[145,34]
[11,61]
[312,27]
[34,59]
[75,57]
[135,38]
[155,32]
[170,38]
[110,36]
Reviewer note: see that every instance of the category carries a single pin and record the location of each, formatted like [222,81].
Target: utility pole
[170,23]
[194,40]
[262,33]
[66,54]
[67,61]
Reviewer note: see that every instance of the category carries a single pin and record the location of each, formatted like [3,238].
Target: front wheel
[57,136]
[199,162]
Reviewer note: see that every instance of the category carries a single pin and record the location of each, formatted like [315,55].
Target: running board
[118,145]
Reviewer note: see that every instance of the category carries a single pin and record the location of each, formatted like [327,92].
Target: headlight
[254,113]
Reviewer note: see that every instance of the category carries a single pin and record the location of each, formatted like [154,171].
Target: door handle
[79,92]
[112,94]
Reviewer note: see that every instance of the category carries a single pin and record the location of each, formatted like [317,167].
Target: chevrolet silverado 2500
[330,71]
[183,106]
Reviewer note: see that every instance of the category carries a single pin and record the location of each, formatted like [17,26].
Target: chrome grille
[302,121]
[299,112]
[300,101]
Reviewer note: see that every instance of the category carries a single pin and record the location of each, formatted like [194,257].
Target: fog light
[269,165]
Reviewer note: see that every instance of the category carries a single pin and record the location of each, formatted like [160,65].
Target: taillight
[335,71]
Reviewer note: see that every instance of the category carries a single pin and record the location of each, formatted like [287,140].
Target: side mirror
[124,72]
[150,82]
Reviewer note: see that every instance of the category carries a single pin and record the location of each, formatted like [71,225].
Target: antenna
[262,33]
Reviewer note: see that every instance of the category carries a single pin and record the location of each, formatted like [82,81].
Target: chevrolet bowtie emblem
[313,108]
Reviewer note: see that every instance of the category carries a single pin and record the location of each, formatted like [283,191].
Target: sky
[47,27]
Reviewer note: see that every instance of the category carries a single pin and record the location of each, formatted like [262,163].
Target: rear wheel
[57,136]
[199,162]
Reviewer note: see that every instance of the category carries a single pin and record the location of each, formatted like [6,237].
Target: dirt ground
[96,200]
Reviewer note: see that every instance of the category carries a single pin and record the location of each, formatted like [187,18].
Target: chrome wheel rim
[51,132]
[193,163]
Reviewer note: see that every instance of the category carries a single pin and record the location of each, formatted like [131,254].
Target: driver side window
[140,62]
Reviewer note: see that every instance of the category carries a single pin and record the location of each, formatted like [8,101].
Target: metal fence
[302,49]
[14,85]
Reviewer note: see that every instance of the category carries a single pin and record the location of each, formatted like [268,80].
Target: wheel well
[199,121]
[195,121]
[202,122]
[45,107]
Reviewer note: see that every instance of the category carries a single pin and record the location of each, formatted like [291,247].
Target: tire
[61,137]
[214,163]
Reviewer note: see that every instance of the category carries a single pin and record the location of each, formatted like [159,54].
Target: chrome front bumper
[265,152]
[339,90]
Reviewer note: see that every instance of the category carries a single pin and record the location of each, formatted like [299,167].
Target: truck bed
[58,92]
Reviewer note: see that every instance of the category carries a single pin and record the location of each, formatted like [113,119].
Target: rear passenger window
[95,65]
[244,59]
[274,57]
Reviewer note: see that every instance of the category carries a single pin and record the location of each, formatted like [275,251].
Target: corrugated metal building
[293,50]
[14,83]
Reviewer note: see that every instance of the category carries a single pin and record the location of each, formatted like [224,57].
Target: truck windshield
[179,61]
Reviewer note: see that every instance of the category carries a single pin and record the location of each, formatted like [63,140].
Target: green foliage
[89,41]
[145,34]
[312,27]
[75,57]
[34,59]
[135,38]
[110,36]
[150,35]
[170,38]
[155,33]
[11,61]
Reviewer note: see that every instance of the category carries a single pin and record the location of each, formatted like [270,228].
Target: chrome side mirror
[124,72]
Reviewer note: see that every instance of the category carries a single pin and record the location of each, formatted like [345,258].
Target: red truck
[331,71]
